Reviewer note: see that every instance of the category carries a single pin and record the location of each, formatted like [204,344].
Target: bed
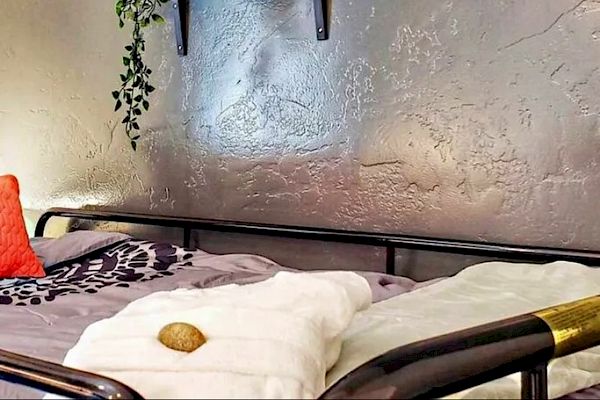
[46,316]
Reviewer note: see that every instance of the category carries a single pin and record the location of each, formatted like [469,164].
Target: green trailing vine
[135,83]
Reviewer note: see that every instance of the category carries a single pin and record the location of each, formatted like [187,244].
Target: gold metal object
[574,325]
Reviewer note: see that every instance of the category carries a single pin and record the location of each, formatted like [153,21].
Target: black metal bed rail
[430,368]
[57,379]
[450,363]
[388,241]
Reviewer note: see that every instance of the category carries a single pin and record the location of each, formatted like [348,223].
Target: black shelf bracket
[321,9]
[180,20]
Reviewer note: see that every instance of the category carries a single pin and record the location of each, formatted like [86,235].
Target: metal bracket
[181,13]
[180,20]
[321,19]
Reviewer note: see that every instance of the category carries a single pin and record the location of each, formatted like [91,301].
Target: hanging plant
[135,83]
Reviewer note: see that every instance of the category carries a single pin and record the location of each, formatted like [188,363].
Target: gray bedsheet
[59,307]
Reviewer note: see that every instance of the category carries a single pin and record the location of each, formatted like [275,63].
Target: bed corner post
[40,226]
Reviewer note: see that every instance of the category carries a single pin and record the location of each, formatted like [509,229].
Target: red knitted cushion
[17,259]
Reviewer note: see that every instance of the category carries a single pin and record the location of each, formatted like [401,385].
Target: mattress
[44,317]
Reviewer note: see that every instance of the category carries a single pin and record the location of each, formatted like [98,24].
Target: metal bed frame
[61,380]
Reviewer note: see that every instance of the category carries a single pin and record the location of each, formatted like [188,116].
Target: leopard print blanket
[130,261]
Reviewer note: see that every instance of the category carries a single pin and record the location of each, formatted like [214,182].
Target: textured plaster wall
[471,119]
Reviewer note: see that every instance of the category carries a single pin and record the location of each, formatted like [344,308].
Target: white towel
[273,339]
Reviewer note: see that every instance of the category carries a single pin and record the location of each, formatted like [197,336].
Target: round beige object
[181,336]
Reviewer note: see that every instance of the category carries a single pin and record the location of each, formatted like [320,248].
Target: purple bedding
[45,317]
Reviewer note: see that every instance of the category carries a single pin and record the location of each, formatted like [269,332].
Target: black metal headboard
[389,241]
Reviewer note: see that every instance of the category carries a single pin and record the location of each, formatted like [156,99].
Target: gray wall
[469,118]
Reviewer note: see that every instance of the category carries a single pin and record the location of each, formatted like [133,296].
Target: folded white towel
[273,339]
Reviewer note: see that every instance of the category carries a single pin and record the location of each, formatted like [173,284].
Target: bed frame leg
[534,383]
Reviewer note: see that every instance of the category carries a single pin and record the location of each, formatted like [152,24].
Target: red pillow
[17,259]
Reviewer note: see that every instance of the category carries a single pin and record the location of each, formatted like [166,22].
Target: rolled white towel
[273,339]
